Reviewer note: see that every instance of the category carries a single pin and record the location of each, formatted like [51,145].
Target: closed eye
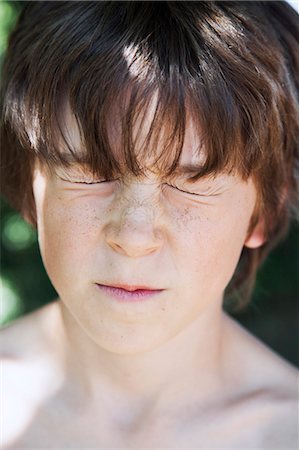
[87,182]
[181,190]
[188,192]
[91,182]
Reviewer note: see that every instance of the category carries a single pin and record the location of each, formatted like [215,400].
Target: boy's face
[141,232]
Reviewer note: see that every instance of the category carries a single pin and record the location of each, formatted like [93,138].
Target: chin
[132,339]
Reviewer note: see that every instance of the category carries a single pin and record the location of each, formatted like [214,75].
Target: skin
[173,371]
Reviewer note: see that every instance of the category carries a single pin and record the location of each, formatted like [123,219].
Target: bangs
[115,86]
[137,85]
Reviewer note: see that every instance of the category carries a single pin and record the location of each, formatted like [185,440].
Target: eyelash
[86,182]
[173,186]
[181,190]
[92,182]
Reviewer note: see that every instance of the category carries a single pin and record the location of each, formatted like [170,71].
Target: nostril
[132,250]
[116,247]
[134,244]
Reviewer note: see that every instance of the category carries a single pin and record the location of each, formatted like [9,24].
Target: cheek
[211,244]
[68,234]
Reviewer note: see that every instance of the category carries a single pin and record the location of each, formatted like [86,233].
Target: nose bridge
[135,228]
[137,213]
[139,205]
[139,201]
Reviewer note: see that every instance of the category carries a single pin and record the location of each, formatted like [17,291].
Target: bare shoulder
[258,360]
[269,387]
[27,369]
[28,334]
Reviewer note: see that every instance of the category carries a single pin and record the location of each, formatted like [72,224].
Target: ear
[257,237]
[29,214]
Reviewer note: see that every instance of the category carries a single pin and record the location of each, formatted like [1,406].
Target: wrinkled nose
[135,233]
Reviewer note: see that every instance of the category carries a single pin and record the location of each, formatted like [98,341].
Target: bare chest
[80,431]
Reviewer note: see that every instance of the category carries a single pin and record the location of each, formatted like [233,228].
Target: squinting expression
[135,260]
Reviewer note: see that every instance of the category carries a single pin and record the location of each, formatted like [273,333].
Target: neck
[187,366]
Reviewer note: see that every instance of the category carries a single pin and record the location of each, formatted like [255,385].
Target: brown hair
[233,66]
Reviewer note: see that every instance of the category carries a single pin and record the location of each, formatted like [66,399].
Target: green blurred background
[272,314]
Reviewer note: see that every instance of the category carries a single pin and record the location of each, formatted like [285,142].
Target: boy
[154,147]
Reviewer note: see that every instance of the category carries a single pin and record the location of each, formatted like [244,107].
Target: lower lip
[122,295]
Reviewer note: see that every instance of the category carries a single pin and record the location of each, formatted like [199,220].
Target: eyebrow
[188,169]
[71,158]
[189,172]
[185,170]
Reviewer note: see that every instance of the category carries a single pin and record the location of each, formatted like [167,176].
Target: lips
[129,287]
[128,292]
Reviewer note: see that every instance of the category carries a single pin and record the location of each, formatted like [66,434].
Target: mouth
[129,293]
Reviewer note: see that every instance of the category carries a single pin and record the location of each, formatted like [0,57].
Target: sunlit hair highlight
[230,67]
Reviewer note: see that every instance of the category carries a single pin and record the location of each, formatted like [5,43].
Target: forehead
[149,141]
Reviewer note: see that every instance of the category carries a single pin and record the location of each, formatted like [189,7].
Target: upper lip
[130,287]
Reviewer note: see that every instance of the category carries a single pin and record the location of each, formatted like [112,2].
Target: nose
[135,232]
